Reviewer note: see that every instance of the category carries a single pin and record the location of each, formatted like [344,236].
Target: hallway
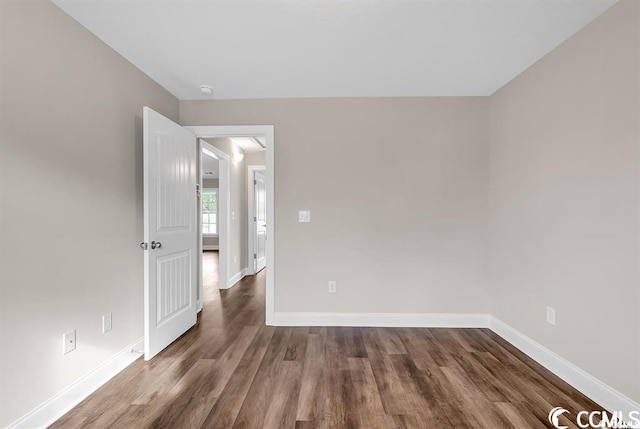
[210,279]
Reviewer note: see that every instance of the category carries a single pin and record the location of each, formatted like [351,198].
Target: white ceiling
[327,48]
[250,144]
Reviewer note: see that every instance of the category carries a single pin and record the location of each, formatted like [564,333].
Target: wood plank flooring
[232,371]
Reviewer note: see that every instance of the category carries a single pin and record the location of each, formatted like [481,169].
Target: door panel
[173,291]
[261,220]
[170,231]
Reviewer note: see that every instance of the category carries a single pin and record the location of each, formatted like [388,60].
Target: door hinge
[255,256]
[255,219]
[255,182]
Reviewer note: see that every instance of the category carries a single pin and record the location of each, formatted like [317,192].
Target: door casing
[224,198]
[217,131]
[251,239]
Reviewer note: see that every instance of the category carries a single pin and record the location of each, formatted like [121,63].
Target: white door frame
[251,233]
[213,131]
[223,221]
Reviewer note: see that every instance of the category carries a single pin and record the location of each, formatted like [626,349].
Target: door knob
[156,245]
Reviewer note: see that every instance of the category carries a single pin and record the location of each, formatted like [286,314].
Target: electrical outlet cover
[106,323]
[68,341]
[551,316]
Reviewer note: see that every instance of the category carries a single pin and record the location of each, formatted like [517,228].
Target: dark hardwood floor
[232,371]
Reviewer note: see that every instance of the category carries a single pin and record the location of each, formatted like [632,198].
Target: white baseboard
[210,247]
[235,278]
[51,410]
[407,320]
[596,390]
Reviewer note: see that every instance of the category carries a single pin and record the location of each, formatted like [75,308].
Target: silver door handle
[156,245]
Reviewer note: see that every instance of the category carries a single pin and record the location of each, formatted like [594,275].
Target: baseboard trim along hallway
[233,280]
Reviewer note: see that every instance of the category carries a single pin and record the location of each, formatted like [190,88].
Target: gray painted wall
[564,199]
[413,242]
[71,198]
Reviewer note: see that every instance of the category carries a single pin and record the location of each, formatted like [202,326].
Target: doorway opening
[209,222]
[173,237]
[243,152]
[247,205]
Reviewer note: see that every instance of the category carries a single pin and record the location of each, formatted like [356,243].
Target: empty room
[320,214]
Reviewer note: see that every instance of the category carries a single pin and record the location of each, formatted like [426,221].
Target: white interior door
[260,220]
[170,231]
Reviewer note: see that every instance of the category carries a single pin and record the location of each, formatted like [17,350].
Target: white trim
[268,132]
[251,212]
[601,393]
[210,247]
[199,246]
[406,320]
[236,278]
[54,408]
[224,217]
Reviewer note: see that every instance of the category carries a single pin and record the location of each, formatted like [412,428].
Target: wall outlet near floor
[333,287]
[68,342]
[551,316]
[106,323]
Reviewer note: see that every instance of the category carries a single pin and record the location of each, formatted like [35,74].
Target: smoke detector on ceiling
[206,90]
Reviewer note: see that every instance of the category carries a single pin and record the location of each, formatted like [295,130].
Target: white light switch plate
[304,216]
